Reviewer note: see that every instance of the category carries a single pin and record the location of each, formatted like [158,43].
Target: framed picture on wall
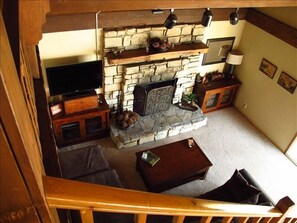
[267,68]
[287,82]
[218,50]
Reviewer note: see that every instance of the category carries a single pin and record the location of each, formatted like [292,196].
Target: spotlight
[234,17]
[171,20]
[206,18]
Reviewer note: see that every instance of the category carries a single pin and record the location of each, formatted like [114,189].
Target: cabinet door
[211,100]
[70,130]
[94,124]
[227,95]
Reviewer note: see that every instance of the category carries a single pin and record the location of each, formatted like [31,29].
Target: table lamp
[234,58]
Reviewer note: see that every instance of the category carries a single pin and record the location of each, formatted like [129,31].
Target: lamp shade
[234,58]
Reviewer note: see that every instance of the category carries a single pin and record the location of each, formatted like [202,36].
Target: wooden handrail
[87,197]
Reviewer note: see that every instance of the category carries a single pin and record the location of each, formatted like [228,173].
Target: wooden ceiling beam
[274,27]
[90,6]
[58,23]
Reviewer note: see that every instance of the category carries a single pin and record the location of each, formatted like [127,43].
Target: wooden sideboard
[216,95]
[81,126]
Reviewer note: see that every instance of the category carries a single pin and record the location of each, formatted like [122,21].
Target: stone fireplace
[122,80]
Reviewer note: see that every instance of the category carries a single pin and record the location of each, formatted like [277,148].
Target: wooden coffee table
[178,164]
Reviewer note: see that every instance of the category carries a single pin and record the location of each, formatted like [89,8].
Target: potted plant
[189,98]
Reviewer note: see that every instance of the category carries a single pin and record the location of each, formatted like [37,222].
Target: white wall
[270,107]
[69,47]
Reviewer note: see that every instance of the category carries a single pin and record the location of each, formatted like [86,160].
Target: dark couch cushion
[236,189]
[105,177]
[81,162]
[264,199]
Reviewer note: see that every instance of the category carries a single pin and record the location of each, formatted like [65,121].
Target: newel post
[285,205]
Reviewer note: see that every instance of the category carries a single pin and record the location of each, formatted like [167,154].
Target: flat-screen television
[74,78]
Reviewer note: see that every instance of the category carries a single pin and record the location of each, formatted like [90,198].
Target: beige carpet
[231,142]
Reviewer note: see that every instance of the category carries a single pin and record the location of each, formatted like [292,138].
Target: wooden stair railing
[87,197]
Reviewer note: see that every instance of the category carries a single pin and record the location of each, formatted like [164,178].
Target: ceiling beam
[58,23]
[92,6]
[274,27]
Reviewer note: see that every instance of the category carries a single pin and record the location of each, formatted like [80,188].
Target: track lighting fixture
[234,17]
[171,20]
[206,18]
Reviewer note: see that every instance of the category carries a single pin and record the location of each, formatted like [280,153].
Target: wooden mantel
[140,55]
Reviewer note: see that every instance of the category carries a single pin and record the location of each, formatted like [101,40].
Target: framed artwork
[218,50]
[287,82]
[267,68]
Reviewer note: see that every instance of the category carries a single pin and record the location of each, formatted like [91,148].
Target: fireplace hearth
[157,126]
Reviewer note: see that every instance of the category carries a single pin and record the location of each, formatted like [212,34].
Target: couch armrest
[264,199]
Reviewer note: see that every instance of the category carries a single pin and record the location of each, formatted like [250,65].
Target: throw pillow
[236,189]
[242,190]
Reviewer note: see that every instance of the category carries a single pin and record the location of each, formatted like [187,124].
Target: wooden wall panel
[18,126]
[15,203]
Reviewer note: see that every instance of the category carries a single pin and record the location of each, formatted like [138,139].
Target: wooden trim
[47,140]
[273,26]
[69,194]
[31,26]
[32,61]
[140,218]
[206,219]
[243,219]
[140,55]
[178,219]
[227,219]
[58,23]
[19,129]
[86,216]
[90,6]
[15,203]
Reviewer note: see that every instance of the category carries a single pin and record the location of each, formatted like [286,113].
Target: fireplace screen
[154,97]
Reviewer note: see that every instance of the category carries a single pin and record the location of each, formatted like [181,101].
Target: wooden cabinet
[81,126]
[217,95]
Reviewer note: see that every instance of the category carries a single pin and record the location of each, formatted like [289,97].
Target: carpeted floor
[231,142]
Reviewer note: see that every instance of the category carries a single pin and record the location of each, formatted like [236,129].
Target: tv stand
[82,126]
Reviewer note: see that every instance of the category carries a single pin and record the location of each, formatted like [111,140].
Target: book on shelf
[150,158]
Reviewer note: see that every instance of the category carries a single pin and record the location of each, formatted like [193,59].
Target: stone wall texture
[120,80]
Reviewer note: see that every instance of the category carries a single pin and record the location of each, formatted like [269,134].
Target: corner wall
[221,29]
[270,107]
